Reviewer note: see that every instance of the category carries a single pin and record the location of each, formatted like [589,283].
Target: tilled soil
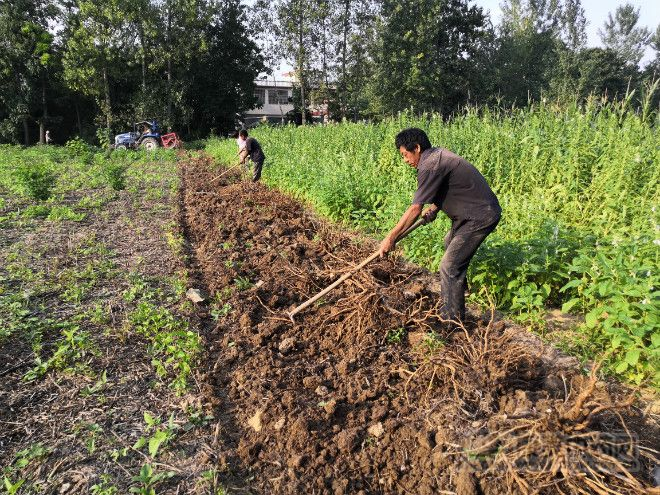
[369,391]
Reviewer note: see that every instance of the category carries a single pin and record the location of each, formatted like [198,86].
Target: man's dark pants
[461,243]
[257,171]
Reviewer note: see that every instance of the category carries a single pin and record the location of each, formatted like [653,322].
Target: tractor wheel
[121,147]
[149,144]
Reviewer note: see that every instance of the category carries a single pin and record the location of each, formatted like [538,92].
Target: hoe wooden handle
[347,275]
[225,172]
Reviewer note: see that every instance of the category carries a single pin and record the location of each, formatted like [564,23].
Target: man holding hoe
[252,149]
[450,183]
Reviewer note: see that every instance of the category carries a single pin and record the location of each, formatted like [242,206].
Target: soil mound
[369,391]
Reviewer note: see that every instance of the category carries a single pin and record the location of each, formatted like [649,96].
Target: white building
[274,96]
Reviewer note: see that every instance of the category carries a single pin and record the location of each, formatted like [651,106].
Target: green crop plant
[242,283]
[217,313]
[104,486]
[433,342]
[37,179]
[173,345]
[139,288]
[79,149]
[580,194]
[114,171]
[196,418]
[90,443]
[69,351]
[223,294]
[95,202]
[61,212]
[12,487]
[148,480]
[395,336]
[97,387]
[118,453]
[36,211]
[156,436]
[13,474]
[209,480]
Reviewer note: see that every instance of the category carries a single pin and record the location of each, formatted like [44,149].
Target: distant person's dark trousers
[461,243]
[257,171]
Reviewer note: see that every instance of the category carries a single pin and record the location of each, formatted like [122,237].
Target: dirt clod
[466,481]
[426,440]
[245,321]
[287,345]
[195,295]
[376,430]
[330,407]
[296,461]
[347,440]
[256,421]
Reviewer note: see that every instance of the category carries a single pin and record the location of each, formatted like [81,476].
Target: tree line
[91,67]
[375,58]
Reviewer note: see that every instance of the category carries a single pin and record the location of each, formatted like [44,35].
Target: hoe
[348,274]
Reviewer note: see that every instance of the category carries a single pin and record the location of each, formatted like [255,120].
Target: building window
[278,97]
[260,95]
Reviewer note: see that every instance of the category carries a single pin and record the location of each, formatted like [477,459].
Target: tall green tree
[524,65]
[217,95]
[354,29]
[41,64]
[650,77]
[26,62]
[604,72]
[296,31]
[182,29]
[651,70]
[573,25]
[538,46]
[94,52]
[144,27]
[621,33]
[425,55]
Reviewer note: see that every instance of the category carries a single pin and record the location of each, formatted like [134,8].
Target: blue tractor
[145,135]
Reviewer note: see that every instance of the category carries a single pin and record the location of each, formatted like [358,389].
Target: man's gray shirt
[454,185]
[255,150]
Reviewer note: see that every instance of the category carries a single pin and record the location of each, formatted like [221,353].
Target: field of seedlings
[579,188]
[145,345]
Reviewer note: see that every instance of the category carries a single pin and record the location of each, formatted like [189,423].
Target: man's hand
[243,156]
[387,245]
[407,220]
[430,213]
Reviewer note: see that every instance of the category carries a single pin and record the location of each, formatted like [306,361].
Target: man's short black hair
[410,137]
[243,133]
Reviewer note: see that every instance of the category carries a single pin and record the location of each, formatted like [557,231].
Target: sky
[596,13]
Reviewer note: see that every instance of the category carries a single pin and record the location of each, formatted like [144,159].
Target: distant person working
[241,144]
[254,151]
